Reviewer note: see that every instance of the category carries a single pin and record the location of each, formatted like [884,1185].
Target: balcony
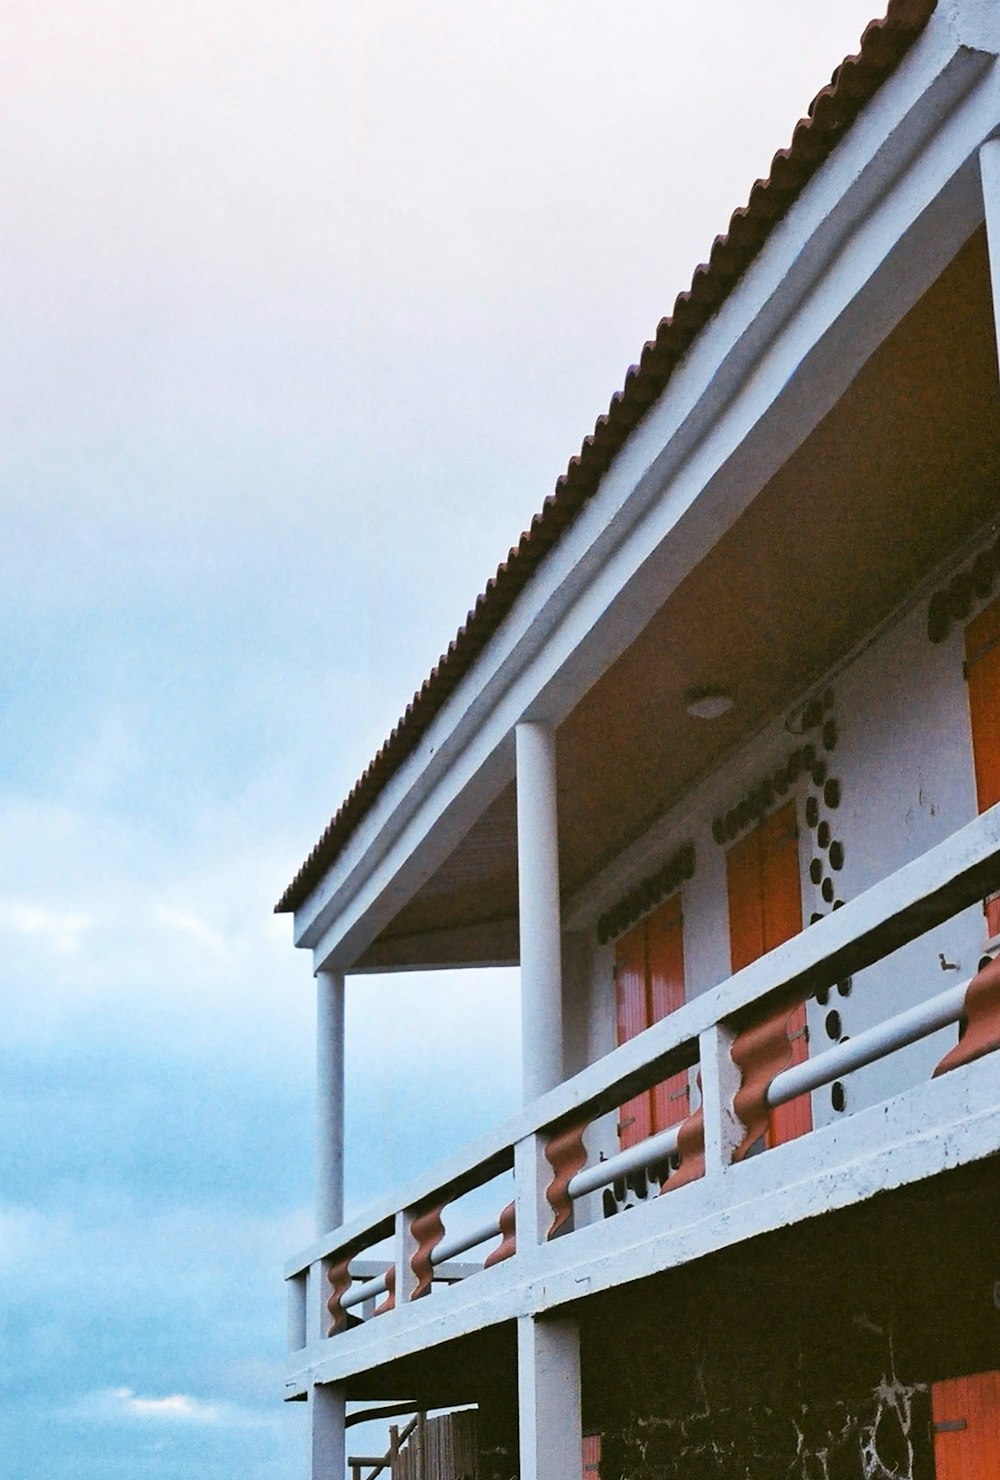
[551,1248]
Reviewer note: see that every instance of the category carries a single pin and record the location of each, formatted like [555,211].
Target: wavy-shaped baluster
[338,1275]
[691,1146]
[427,1231]
[760,1053]
[982,1014]
[507,1246]
[566,1155]
[389,1303]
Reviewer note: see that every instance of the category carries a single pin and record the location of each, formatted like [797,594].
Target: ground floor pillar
[548,1393]
[327,1409]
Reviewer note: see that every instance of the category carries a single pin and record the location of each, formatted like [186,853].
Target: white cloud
[174,1406]
[115,1405]
[188,925]
[61,929]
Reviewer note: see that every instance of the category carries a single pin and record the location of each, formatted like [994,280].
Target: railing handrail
[904,905]
[864,1048]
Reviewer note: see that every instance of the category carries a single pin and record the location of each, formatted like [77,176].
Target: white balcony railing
[736,1037]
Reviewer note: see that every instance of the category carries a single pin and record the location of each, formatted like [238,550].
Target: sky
[306,307]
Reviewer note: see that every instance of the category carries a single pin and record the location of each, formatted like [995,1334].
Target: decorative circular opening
[838,1096]
[834,1027]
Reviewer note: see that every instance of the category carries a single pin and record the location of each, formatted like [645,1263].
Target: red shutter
[633,1015]
[966,1414]
[591,1457]
[665,965]
[982,667]
[982,660]
[649,984]
[746,908]
[765,910]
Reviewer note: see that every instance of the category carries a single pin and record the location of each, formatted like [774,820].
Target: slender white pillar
[327,1445]
[548,1398]
[538,899]
[989,169]
[329,1101]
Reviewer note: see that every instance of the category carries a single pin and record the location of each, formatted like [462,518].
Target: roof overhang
[862,246]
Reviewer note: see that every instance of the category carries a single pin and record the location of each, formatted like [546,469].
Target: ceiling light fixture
[708,703]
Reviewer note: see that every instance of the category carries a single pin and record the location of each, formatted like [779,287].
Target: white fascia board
[933,1128]
[975,23]
[869,234]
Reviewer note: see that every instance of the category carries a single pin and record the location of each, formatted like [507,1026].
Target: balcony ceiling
[903,470]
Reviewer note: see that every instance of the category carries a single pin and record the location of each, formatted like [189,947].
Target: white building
[716,760]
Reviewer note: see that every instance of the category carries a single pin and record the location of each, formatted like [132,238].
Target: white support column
[329,1101]
[532,1175]
[538,899]
[989,169]
[327,1445]
[317,1294]
[297,1292]
[720,1081]
[404,1246]
[548,1397]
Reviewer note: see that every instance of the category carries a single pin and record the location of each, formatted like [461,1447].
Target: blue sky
[307,307]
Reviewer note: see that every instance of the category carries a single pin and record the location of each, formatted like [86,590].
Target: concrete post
[532,1175]
[329,1101]
[328,1449]
[538,899]
[989,171]
[296,1290]
[548,1396]
[720,1081]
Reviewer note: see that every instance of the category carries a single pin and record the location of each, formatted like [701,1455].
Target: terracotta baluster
[339,1277]
[566,1155]
[507,1246]
[427,1231]
[982,1012]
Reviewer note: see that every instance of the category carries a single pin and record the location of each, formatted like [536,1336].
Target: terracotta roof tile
[883,45]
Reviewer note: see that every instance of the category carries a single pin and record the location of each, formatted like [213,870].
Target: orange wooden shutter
[649,984]
[966,1415]
[982,667]
[765,910]
[665,965]
[634,1122]
[591,1457]
[746,907]
[781,894]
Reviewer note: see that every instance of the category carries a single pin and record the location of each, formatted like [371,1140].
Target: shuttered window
[982,668]
[591,1457]
[649,984]
[966,1415]
[765,909]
